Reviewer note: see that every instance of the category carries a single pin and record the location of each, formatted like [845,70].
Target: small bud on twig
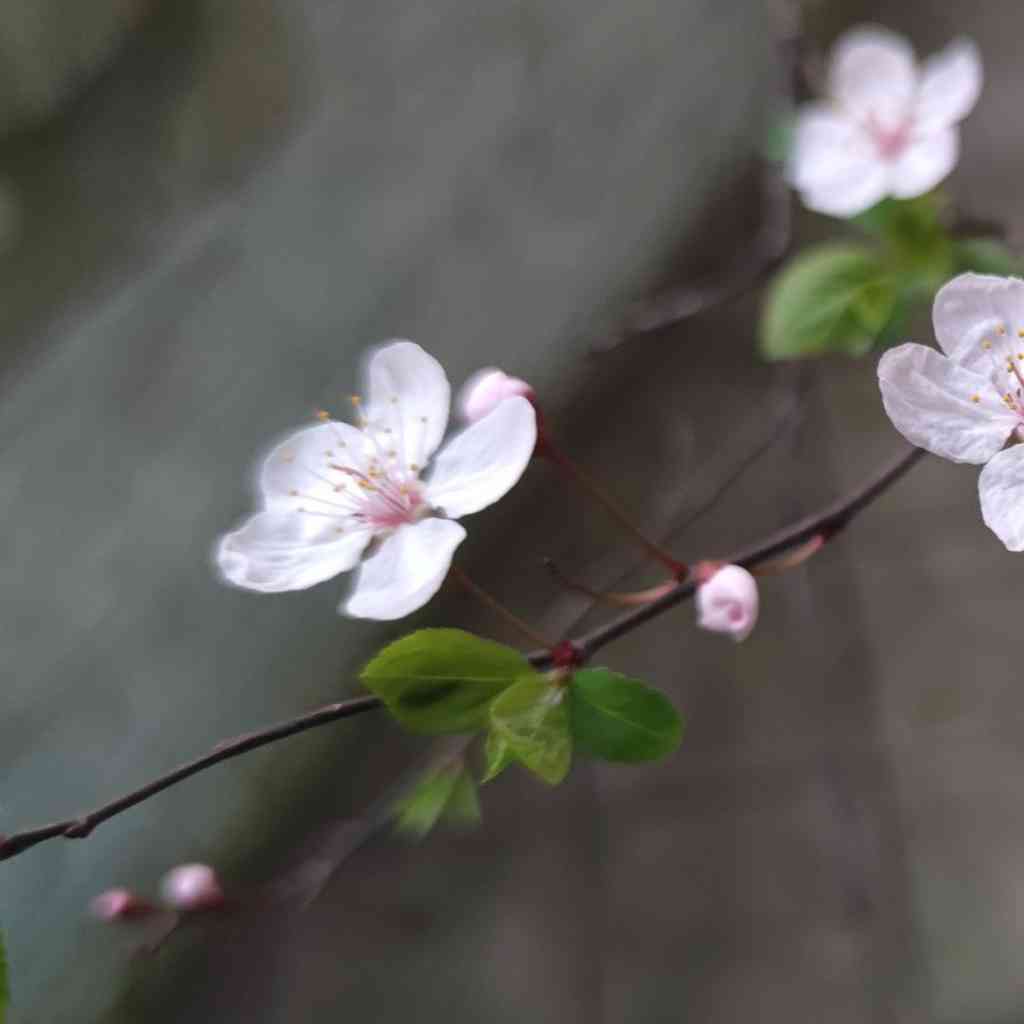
[486,389]
[727,600]
[190,887]
[119,905]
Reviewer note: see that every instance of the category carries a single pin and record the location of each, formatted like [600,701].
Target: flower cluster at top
[888,127]
[336,496]
[968,403]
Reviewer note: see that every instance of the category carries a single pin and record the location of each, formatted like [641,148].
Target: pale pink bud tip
[727,602]
[118,904]
[192,887]
[487,389]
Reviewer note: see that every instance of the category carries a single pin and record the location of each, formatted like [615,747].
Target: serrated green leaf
[442,680]
[620,719]
[832,298]
[532,717]
[5,988]
[420,809]
[497,754]
[987,256]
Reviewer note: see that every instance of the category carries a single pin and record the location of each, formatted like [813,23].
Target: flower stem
[619,599]
[547,448]
[524,628]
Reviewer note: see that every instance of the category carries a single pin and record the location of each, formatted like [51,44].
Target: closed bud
[727,602]
[119,905]
[192,887]
[486,389]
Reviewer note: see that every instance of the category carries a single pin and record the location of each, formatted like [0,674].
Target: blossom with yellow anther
[337,496]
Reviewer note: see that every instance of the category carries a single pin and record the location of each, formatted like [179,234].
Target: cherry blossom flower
[889,127]
[727,602]
[967,404]
[191,887]
[486,388]
[337,496]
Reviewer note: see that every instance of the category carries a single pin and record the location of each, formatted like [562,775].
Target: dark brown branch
[826,523]
[82,826]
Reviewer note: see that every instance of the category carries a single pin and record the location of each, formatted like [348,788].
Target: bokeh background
[208,210]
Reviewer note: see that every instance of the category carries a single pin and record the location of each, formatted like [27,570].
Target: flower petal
[950,84]
[1001,489]
[482,463]
[873,75]
[406,571]
[860,185]
[925,161]
[825,142]
[284,550]
[298,473]
[977,320]
[929,399]
[407,401]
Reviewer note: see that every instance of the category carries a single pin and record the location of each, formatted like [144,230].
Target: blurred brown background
[207,211]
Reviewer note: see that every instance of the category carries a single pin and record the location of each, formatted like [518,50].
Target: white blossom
[966,404]
[485,389]
[889,126]
[336,496]
[727,602]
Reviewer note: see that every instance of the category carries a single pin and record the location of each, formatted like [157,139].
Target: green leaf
[532,718]
[986,256]
[5,989]
[420,810]
[498,755]
[620,719]
[447,794]
[442,680]
[464,804]
[832,298]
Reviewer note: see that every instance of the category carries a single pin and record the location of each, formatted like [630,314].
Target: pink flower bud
[192,887]
[727,602]
[118,905]
[486,389]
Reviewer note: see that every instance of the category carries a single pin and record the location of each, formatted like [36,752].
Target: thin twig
[827,523]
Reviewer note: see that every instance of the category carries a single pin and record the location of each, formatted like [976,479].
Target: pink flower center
[890,142]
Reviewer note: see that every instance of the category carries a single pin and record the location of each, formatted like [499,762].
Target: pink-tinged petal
[286,550]
[408,400]
[728,602]
[873,75]
[298,472]
[950,85]
[1001,489]
[485,389]
[406,571]
[924,162]
[478,466]
[931,401]
[978,319]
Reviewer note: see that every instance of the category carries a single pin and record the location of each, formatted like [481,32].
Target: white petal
[949,87]
[977,320]
[297,474]
[929,399]
[407,403]
[1001,489]
[925,161]
[873,74]
[406,571]
[482,463]
[825,142]
[862,184]
[285,550]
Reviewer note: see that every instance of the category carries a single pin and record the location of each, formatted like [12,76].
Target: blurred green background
[208,210]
